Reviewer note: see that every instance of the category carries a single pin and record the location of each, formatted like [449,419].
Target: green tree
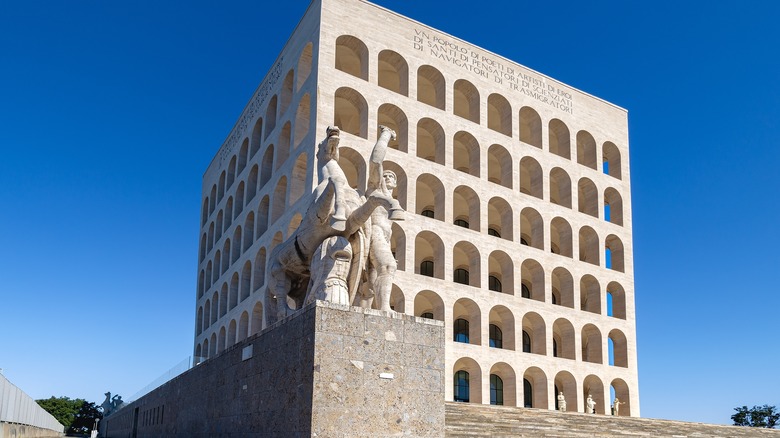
[757,416]
[85,418]
[77,415]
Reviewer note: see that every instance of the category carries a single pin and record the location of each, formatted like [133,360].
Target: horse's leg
[278,287]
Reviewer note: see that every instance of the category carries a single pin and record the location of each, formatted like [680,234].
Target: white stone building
[517,187]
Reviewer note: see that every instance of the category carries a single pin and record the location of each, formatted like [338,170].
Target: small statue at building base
[616,407]
[561,402]
[590,405]
[325,258]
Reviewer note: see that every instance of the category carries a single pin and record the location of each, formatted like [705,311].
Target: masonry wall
[12,430]
[372,375]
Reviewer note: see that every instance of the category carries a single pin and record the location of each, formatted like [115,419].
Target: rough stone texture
[315,373]
[12,430]
[472,420]
[354,394]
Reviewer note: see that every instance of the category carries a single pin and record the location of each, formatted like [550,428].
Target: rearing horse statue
[337,211]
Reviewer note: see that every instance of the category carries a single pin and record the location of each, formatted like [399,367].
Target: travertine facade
[518,232]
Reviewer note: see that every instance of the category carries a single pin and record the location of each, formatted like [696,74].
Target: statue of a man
[381,262]
[561,402]
[591,405]
[616,407]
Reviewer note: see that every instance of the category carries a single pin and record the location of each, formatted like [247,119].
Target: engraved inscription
[251,110]
[488,67]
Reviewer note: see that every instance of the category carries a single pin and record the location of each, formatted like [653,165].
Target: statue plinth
[327,370]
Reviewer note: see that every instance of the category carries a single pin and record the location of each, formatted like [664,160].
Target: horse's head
[329,148]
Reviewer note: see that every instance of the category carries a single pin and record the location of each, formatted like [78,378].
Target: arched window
[427,213]
[304,65]
[496,390]
[559,139]
[352,56]
[393,72]
[394,118]
[465,153]
[270,123]
[528,394]
[430,87]
[287,91]
[496,337]
[461,330]
[461,386]
[530,127]
[555,347]
[466,100]
[526,342]
[461,223]
[493,232]
[351,112]
[499,114]
[611,160]
[428,315]
[531,177]
[494,283]
[586,149]
[430,141]
[426,268]
[461,276]
[525,291]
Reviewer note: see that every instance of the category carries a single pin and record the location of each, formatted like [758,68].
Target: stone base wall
[13,430]
[328,370]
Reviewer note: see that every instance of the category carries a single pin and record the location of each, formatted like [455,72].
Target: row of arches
[467,316]
[527,176]
[291,135]
[272,206]
[501,272]
[259,174]
[531,334]
[234,331]
[507,275]
[502,385]
[352,57]
[496,269]
[430,257]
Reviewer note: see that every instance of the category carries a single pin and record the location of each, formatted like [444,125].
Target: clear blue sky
[111,111]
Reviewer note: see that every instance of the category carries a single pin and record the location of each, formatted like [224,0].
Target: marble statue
[381,262]
[325,257]
[591,405]
[561,402]
[616,407]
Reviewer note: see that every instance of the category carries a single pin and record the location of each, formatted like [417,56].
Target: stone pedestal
[326,371]
[376,375]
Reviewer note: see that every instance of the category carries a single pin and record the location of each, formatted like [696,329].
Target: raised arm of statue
[375,168]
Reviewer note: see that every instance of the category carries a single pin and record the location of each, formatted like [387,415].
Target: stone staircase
[475,420]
